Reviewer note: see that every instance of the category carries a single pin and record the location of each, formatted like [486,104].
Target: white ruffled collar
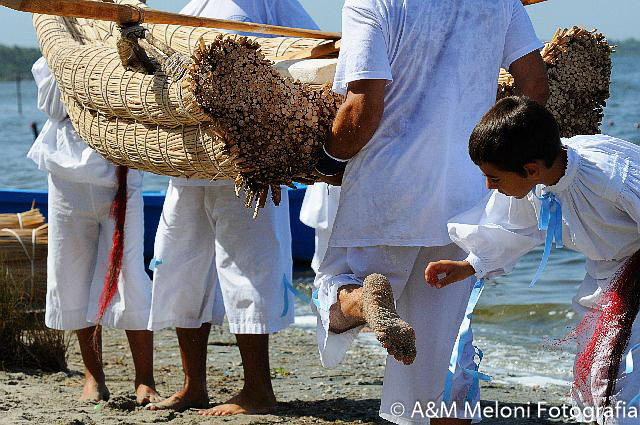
[569,173]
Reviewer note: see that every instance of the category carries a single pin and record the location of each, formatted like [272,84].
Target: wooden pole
[127,14]
[19,92]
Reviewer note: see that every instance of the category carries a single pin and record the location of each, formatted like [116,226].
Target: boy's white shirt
[58,149]
[600,199]
[287,13]
[415,173]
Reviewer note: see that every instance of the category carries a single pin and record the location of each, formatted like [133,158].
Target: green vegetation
[16,61]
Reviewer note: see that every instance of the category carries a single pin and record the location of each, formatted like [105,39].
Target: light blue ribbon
[474,390]
[629,359]
[155,262]
[288,287]
[551,221]
[464,337]
[316,301]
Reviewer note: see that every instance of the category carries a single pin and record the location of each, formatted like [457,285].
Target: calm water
[514,324]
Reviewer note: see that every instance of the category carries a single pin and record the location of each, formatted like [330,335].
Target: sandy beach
[307,394]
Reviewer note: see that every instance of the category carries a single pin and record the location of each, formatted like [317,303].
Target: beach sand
[307,394]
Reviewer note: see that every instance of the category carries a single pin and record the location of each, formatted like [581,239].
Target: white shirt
[442,60]
[58,149]
[287,13]
[320,205]
[600,199]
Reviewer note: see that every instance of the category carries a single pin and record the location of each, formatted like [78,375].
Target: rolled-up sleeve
[364,51]
[521,38]
[49,97]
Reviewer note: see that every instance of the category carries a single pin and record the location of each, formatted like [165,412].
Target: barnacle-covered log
[579,68]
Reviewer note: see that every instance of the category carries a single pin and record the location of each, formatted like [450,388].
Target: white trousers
[80,240]
[435,314]
[627,386]
[213,257]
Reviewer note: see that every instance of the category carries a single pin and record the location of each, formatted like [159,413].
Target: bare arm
[358,118]
[530,74]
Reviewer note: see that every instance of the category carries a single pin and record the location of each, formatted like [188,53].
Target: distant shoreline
[16,60]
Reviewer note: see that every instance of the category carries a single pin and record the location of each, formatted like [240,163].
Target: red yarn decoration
[118,213]
[612,330]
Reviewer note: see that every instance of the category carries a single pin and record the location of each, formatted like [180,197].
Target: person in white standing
[82,186]
[418,76]
[212,258]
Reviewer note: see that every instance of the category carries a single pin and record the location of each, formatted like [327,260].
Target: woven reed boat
[233,115]
[200,103]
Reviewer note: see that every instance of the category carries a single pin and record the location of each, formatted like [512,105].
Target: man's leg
[347,313]
[436,315]
[184,288]
[90,341]
[256,396]
[373,304]
[253,264]
[193,351]
[141,344]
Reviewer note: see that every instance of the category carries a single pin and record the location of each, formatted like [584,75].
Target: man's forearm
[357,119]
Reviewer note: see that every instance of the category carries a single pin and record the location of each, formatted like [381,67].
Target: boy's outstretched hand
[444,272]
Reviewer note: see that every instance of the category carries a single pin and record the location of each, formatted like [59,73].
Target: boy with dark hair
[584,192]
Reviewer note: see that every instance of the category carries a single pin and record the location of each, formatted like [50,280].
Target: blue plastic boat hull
[14,201]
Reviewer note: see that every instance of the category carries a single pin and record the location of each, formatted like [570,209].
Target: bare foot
[94,392]
[379,310]
[181,401]
[146,394]
[243,404]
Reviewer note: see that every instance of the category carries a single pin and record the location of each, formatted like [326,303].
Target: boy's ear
[532,169]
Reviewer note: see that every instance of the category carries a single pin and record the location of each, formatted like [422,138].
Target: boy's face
[508,182]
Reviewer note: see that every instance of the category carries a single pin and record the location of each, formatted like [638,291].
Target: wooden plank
[127,14]
[323,50]
[159,17]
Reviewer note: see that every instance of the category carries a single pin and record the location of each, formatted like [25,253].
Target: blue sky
[617,19]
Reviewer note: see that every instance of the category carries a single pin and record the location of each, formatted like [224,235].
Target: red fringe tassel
[612,329]
[118,212]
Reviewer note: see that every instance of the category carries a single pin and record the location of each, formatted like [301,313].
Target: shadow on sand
[345,410]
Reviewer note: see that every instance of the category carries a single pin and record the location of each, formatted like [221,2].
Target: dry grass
[25,341]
